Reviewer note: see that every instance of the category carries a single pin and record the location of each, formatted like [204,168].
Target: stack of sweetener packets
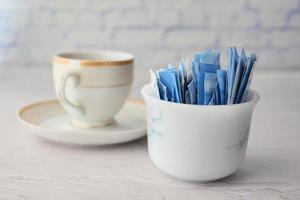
[204,82]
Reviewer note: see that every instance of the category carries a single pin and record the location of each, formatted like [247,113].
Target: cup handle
[62,90]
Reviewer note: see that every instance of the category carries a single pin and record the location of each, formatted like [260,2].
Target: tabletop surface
[32,168]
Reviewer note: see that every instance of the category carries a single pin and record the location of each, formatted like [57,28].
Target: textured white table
[36,169]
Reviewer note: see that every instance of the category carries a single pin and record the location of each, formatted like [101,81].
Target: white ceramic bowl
[197,143]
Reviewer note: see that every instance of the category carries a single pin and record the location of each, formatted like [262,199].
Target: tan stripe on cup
[90,63]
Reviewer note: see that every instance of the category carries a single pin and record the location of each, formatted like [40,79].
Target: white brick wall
[158,32]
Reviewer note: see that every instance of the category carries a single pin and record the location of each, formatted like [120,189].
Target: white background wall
[158,32]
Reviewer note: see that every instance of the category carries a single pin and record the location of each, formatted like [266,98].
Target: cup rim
[146,92]
[92,58]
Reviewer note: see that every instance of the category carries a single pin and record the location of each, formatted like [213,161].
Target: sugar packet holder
[206,83]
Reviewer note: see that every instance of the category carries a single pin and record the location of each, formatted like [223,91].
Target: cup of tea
[92,86]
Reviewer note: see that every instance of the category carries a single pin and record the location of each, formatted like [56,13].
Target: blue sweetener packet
[210,57]
[222,85]
[192,93]
[195,71]
[246,79]
[217,97]
[170,78]
[231,69]
[212,100]
[240,70]
[209,63]
[178,82]
[209,84]
[197,57]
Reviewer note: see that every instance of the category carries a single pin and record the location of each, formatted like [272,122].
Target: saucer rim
[75,131]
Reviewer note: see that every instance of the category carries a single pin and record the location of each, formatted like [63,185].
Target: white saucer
[49,120]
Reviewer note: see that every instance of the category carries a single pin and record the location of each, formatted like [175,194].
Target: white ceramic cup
[197,143]
[92,86]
